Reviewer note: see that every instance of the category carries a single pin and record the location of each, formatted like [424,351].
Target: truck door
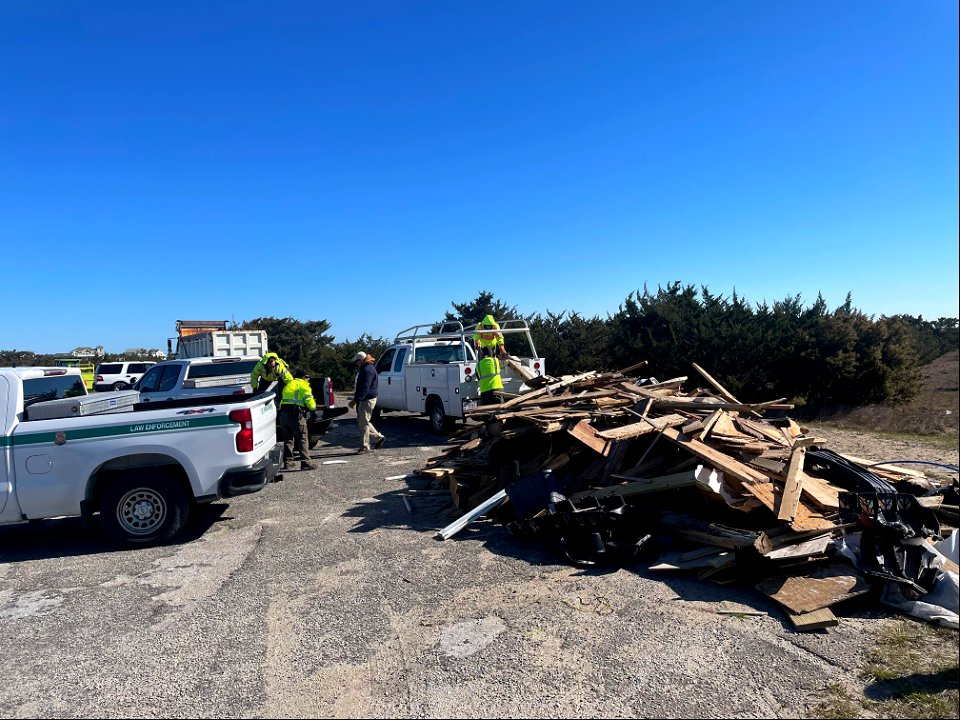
[6,480]
[159,382]
[395,380]
[385,380]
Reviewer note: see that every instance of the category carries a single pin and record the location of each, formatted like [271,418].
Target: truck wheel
[439,422]
[143,507]
[119,386]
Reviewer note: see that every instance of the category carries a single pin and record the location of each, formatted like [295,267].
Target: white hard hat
[360,356]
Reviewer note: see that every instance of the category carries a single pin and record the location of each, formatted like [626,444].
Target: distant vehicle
[120,375]
[87,369]
[435,373]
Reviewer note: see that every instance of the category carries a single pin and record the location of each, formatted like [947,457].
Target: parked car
[121,375]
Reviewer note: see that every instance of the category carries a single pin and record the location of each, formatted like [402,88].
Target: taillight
[99,378]
[466,370]
[245,435]
[536,366]
[330,399]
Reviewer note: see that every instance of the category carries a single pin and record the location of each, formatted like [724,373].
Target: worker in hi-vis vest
[488,339]
[270,368]
[297,402]
[488,373]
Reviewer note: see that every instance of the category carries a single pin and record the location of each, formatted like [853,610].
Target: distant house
[84,352]
[158,354]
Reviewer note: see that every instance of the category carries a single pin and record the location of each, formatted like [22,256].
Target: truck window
[159,379]
[110,369]
[52,388]
[439,354]
[220,369]
[385,361]
[168,381]
[401,356]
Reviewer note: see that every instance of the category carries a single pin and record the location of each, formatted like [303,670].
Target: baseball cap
[360,356]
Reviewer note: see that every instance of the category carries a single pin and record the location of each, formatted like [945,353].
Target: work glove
[352,404]
[313,416]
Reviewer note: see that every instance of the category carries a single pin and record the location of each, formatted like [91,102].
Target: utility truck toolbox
[119,401]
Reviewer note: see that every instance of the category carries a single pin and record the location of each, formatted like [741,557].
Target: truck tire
[119,386]
[143,507]
[439,422]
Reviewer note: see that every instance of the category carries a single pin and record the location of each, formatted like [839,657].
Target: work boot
[379,443]
[287,465]
[304,465]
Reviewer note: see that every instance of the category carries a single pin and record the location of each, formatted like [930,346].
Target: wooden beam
[625,432]
[794,480]
[633,367]
[724,393]
[676,402]
[709,423]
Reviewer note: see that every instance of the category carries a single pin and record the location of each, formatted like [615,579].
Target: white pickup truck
[434,373]
[142,470]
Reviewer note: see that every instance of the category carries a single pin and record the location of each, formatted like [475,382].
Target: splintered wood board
[821,587]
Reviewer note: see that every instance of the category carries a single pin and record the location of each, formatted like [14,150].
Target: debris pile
[615,469]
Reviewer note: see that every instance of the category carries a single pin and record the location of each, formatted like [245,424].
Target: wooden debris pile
[611,468]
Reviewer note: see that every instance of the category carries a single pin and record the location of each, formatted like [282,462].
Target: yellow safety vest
[297,392]
[488,373]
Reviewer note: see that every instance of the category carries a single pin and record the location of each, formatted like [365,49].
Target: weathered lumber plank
[625,432]
[821,493]
[794,480]
[724,393]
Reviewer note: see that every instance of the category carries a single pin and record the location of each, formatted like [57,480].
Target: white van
[120,375]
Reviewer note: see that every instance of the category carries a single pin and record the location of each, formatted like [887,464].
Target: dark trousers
[489,398]
[293,423]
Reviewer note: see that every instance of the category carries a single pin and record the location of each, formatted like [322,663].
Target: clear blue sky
[367,163]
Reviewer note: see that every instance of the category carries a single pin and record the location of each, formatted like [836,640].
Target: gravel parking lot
[326,596]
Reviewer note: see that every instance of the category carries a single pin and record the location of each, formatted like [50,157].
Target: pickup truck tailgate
[264,419]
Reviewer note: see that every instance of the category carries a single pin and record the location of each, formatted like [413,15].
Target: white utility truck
[431,369]
[141,468]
